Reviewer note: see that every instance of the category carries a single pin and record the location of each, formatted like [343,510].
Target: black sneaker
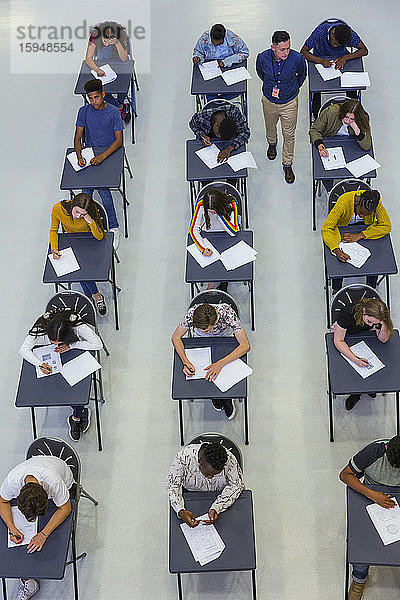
[101,307]
[351,401]
[85,419]
[74,429]
[229,409]
[223,286]
[218,404]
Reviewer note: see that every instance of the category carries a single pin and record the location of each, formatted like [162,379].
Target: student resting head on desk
[32,483]
[78,215]
[352,208]
[204,468]
[212,320]
[65,330]
[369,314]
[378,464]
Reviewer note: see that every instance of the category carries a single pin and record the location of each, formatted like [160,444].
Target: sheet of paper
[358,254]
[237,255]
[235,75]
[210,70]
[47,355]
[204,541]
[335,160]
[243,160]
[208,155]
[27,528]
[87,153]
[350,79]
[362,165]
[328,73]
[204,261]
[386,521]
[200,359]
[231,374]
[67,263]
[362,350]
[110,74]
[80,367]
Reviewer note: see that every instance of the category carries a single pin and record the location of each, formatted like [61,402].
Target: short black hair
[370,199]
[227,129]
[218,32]
[342,34]
[32,501]
[216,455]
[393,451]
[280,36]
[93,85]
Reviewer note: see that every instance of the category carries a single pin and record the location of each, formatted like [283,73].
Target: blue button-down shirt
[319,40]
[289,75]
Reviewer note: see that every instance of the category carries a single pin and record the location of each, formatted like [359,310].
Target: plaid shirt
[200,124]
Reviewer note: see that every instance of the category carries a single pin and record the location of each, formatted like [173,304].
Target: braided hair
[57,324]
[216,455]
[220,202]
[393,451]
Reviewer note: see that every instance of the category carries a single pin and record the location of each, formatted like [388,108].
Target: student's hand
[206,140]
[45,368]
[16,536]
[326,63]
[352,237]
[196,60]
[96,160]
[112,41]
[88,219]
[82,161]
[382,499]
[341,255]
[36,543]
[322,150]
[213,517]
[61,348]
[354,127]
[377,326]
[207,252]
[188,368]
[340,62]
[224,154]
[56,254]
[221,63]
[213,370]
[100,72]
[361,362]
[188,517]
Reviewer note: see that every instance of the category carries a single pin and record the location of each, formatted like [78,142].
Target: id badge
[275,92]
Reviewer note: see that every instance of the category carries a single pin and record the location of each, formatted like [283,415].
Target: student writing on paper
[369,314]
[352,208]
[212,320]
[225,123]
[204,468]
[66,331]
[33,483]
[377,464]
[108,41]
[78,215]
[100,125]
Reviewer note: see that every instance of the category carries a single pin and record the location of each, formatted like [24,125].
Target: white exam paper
[231,374]
[386,521]
[235,75]
[204,541]
[210,70]
[243,160]
[27,528]
[67,263]
[350,79]
[110,74]
[237,255]
[328,73]
[362,350]
[47,355]
[362,165]
[208,155]
[79,367]
[87,154]
[335,160]
[204,261]
[200,359]
[358,253]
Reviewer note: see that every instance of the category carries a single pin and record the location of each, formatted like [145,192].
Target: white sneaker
[27,589]
[115,231]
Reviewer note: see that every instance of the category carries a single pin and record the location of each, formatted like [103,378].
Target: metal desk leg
[181,421]
[74,559]
[314,219]
[114,289]
[346,577]
[330,410]
[251,286]
[246,422]
[133,110]
[192,194]
[397,414]
[96,407]
[127,165]
[387,292]
[126,203]
[328,316]
[178,575]
[192,290]
[246,207]
[4,588]
[253,584]
[33,422]
[310,106]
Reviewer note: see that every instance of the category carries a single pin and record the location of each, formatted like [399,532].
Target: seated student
[352,208]
[78,215]
[204,468]
[377,464]
[330,41]
[109,41]
[220,44]
[211,320]
[369,314]
[66,331]
[100,124]
[226,122]
[33,482]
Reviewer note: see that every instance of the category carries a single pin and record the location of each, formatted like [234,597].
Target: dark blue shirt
[287,75]
[319,41]
[100,125]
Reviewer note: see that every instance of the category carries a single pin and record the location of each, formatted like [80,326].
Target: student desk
[194,273]
[50,562]
[55,391]
[381,262]
[95,257]
[236,528]
[107,174]
[124,83]
[197,172]
[344,380]
[195,389]
[351,151]
[317,84]
[201,88]
[363,544]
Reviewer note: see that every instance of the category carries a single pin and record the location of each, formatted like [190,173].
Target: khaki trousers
[287,113]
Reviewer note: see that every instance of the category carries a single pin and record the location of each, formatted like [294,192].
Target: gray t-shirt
[372,463]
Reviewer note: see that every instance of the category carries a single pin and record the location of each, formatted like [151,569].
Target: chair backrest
[78,302]
[346,185]
[349,296]
[333,100]
[51,446]
[218,103]
[215,297]
[102,215]
[224,187]
[218,438]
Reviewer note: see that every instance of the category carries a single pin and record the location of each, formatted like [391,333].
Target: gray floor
[290,464]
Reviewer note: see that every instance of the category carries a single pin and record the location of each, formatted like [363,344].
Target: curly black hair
[342,34]
[393,451]
[216,455]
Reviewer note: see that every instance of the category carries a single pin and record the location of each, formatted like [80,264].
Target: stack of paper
[243,160]
[200,359]
[235,75]
[80,367]
[334,160]
[362,165]
[238,255]
[328,73]
[210,70]
[204,261]
[358,253]
[47,355]
[357,80]
[67,262]
[87,154]
[204,541]
[208,155]
[231,374]
[361,350]
[109,76]
[27,528]
[386,521]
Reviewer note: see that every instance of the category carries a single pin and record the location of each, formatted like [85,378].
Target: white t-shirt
[53,474]
[344,130]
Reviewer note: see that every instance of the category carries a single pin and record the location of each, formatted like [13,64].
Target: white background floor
[290,464]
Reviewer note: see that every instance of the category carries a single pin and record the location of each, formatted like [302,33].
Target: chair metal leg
[75,570]
[88,496]
[104,346]
[114,289]
[96,407]
[116,255]
[127,166]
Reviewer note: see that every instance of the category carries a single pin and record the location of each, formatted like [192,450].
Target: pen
[17,537]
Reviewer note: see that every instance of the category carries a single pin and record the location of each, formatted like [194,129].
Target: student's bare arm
[348,477]
[243,348]
[56,519]
[6,515]
[176,340]
[91,49]
[312,58]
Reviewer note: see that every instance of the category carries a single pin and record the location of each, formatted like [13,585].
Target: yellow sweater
[70,225]
[341,214]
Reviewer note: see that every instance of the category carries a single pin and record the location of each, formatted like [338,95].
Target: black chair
[226,188]
[333,100]
[213,296]
[349,296]
[218,438]
[343,186]
[217,103]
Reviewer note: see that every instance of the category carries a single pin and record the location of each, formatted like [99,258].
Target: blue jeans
[115,101]
[89,288]
[78,410]
[108,204]
[360,573]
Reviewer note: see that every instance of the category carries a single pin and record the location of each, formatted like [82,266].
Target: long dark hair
[86,202]
[361,117]
[218,201]
[58,325]
[110,29]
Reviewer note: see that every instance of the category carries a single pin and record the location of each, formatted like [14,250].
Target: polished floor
[290,464]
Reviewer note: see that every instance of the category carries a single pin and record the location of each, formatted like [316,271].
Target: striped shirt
[217,223]
[200,124]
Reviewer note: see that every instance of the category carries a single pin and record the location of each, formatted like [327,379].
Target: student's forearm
[383,333]
[78,146]
[357,54]
[122,52]
[353,482]
[91,64]
[180,348]
[114,146]
[59,516]
[236,353]
[310,56]
[6,515]
[344,349]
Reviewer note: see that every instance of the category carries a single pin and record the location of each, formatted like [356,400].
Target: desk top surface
[105,175]
[217,85]
[124,71]
[351,151]
[196,170]
[317,84]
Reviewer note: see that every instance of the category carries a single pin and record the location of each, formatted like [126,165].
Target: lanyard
[273,68]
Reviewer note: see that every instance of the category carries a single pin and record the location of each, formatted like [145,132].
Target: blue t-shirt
[100,125]
[320,41]
[288,75]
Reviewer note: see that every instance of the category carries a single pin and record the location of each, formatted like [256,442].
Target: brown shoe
[289,175]
[271,152]
[356,590]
